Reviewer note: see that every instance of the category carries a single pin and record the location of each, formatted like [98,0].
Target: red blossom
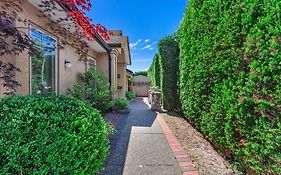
[78,15]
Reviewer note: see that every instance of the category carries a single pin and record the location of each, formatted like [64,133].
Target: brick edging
[184,160]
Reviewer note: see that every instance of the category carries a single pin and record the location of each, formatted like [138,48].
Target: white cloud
[133,45]
[147,47]
[150,48]
[147,40]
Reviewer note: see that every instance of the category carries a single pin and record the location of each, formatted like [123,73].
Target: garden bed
[204,157]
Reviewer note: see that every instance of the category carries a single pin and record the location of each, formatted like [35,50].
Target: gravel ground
[205,158]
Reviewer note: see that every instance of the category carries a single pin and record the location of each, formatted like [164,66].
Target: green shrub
[94,90]
[121,103]
[230,88]
[168,49]
[164,72]
[154,71]
[144,73]
[130,95]
[51,135]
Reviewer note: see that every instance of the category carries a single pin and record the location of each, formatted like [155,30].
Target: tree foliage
[144,73]
[230,88]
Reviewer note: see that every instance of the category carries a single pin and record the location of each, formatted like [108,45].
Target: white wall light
[67,64]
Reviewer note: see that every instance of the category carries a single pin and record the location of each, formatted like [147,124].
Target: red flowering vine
[78,15]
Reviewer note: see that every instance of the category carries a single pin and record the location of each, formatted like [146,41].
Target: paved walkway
[139,145]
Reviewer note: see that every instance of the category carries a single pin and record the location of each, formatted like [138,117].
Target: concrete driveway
[139,146]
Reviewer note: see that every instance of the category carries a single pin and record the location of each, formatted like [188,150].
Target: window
[43,79]
[92,64]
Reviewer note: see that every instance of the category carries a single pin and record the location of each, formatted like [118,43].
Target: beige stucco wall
[102,64]
[121,70]
[65,77]
[141,90]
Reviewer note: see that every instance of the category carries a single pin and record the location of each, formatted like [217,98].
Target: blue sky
[144,21]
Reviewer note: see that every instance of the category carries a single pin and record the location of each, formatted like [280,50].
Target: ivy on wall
[230,88]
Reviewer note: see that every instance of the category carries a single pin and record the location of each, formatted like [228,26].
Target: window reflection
[43,63]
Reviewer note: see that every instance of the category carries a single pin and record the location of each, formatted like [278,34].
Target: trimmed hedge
[230,88]
[168,49]
[164,72]
[154,71]
[51,135]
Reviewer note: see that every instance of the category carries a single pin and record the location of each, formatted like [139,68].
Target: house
[121,57]
[56,68]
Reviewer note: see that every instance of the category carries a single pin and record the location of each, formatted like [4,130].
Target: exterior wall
[141,85]
[65,77]
[102,64]
[122,88]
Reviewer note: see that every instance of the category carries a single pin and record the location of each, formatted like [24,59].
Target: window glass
[43,63]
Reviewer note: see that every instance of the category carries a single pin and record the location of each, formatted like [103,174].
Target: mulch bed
[204,157]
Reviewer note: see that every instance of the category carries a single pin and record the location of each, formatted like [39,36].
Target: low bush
[94,89]
[121,103]
[51,135]
[130,95]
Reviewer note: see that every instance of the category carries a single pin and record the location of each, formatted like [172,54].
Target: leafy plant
[130,95]
[230,88]
[51,135]
[121,103]
[94,90]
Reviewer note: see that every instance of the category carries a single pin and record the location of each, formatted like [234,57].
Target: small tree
[94,89]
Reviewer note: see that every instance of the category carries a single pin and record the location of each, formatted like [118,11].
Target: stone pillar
[155,99]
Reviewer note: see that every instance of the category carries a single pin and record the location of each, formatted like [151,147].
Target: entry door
[43,64]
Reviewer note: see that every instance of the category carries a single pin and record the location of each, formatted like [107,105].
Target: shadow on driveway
[140,116]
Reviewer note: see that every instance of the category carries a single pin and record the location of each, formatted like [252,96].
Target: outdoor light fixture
[67,64]
[119,76]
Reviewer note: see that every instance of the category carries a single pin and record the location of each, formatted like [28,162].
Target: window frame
[36,27]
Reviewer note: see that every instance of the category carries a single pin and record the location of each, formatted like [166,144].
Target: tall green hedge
[230,78]
[154,71]
[51,135]
[168,49]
